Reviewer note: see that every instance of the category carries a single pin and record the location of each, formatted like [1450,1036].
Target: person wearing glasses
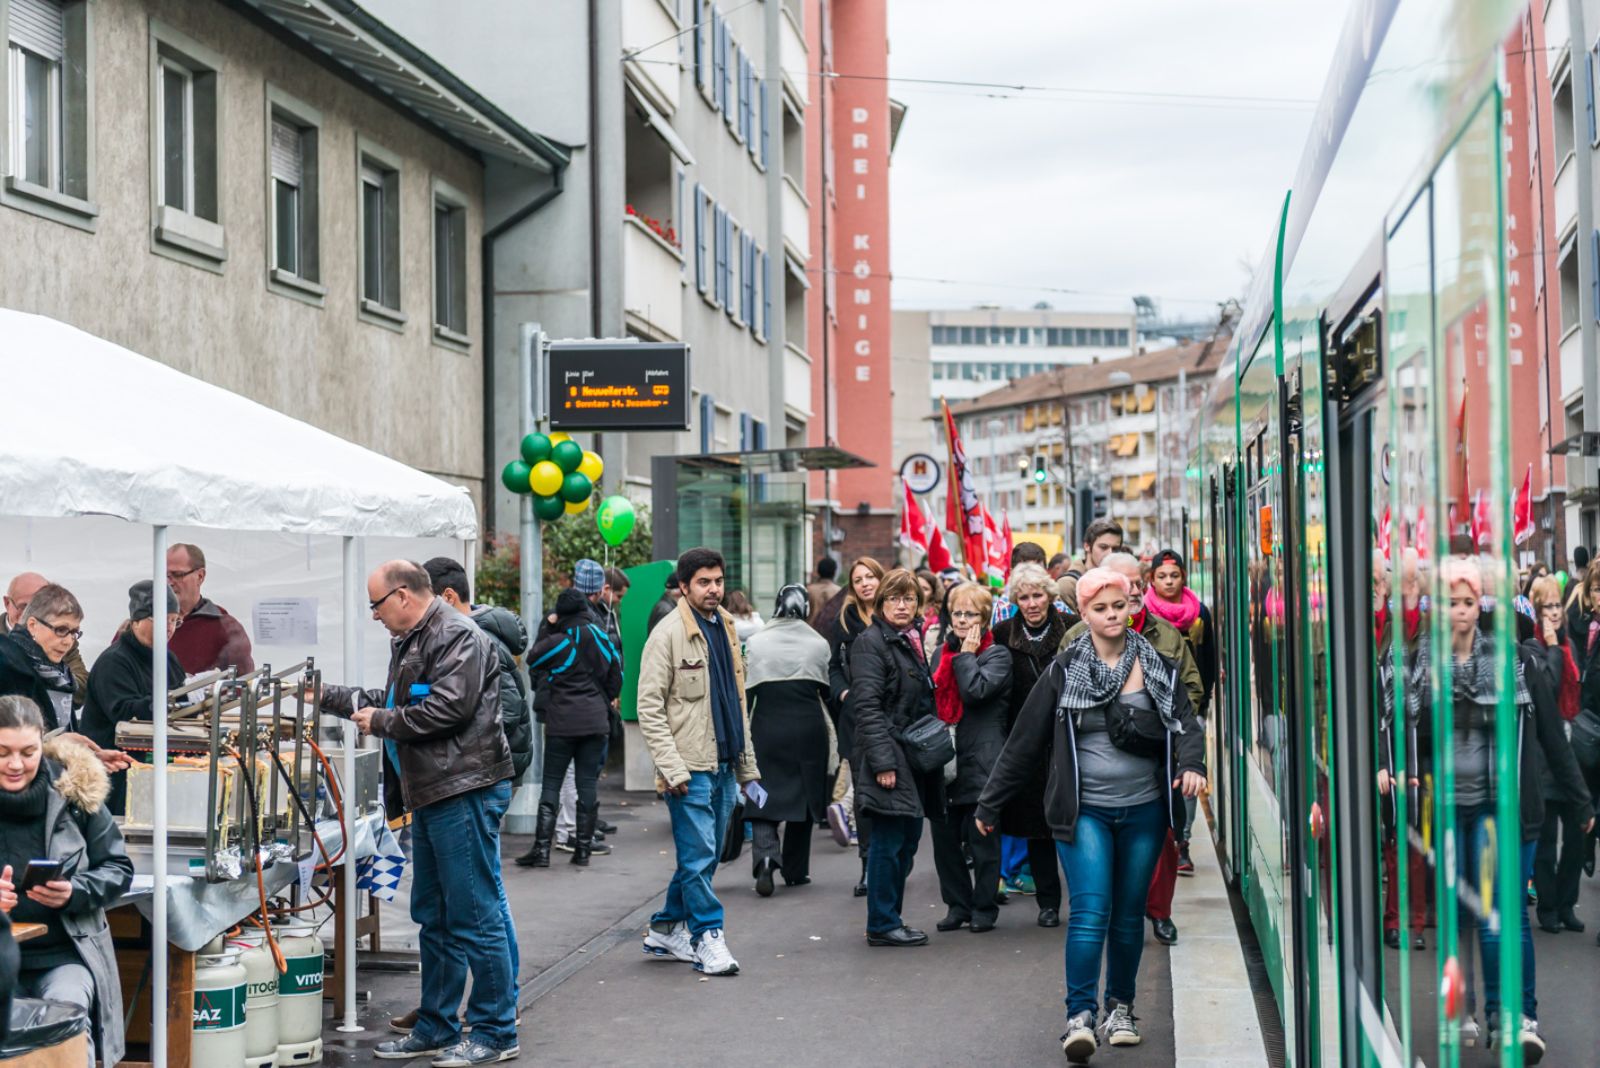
[971,689]
[440,713]
[891,689]
[18,593]
[33,655]
[211,639]
[119,685]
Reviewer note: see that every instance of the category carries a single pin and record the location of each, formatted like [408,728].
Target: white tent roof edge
[92,452]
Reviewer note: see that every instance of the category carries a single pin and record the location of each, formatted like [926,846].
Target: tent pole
[520,817]
[353,676]
[158,716]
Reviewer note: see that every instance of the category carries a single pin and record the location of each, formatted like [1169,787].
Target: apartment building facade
[1125,427]
[285,200]
[973,351]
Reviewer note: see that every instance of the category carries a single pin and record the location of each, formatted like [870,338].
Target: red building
[850,126]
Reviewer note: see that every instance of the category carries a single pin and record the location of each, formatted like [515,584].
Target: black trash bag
[39,1024]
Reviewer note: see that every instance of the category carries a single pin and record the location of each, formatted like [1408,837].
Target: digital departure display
[618,386]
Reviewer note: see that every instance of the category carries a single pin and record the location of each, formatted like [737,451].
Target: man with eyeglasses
[441,713]
[210,639]
[18,594]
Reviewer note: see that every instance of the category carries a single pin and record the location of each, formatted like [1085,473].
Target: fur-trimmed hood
[77,774]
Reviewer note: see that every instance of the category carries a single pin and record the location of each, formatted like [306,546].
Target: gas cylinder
[261,998]
[300,996]
[219,994]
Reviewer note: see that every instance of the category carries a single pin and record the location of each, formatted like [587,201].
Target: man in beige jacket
[692,715]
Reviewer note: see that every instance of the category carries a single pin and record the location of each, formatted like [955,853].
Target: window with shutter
[765,130]
[38,26]
[699,238]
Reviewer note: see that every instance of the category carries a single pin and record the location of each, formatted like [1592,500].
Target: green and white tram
[1364,442]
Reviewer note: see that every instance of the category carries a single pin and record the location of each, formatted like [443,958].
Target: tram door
[1224,726]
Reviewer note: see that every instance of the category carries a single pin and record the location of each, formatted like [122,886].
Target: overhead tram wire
[971,283]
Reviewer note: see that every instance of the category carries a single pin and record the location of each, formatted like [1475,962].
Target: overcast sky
[1100,192]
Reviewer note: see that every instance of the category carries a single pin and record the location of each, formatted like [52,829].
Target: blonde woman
[855,616]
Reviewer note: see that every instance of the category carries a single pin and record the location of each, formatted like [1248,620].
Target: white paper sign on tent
[285,621]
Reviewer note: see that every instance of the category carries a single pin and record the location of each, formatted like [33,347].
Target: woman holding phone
[52,808]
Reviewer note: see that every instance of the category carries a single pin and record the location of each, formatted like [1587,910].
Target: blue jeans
[699,822]
[497,812]
[1108,868]
[889,858]
[459,903]
[1472,834]
[1013,856]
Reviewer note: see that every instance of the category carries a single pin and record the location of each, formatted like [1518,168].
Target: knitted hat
[141,605]
[588,577]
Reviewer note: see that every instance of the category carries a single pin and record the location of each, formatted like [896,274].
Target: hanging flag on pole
[963,511]
[1522,510]
[1005,535]
[939,558]
[1480,526]
[913,524]
[994,556]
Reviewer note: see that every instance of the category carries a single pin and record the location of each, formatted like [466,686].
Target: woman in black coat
[786,686]
[860,597]
[580,673]
[891,689]
[1033,634]
[971,689]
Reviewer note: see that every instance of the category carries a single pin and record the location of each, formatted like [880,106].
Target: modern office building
[283,199]
[974,351]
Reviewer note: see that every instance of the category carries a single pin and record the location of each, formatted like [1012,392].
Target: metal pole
[158,715]
[520,815]
[1183,457]
[353,676]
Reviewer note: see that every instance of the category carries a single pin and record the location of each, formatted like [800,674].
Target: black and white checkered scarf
[1091,683]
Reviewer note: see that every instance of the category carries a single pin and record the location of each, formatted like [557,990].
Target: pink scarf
[1181,615]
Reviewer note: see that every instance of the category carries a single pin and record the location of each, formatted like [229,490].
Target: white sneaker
[711,956]
[671,944]
[1532,1044]
[1079,1042]
[1118,1028]
[1469,1032]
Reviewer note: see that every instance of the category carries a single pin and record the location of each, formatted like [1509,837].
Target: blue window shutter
[766,295]
[760,430]
[699,47]
[764,131]
[746,432]
[708,421]
[719,40]
[1589,97]
[699,239]
[1594,272]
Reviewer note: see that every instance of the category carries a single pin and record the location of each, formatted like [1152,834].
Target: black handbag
[1137,731]
[1586,739]
[733,838]
[929,746]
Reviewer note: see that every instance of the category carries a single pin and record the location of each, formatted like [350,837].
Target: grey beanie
[141,605]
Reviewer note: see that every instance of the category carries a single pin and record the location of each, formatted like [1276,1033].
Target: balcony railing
[796,220]
[646,23]
[652,286]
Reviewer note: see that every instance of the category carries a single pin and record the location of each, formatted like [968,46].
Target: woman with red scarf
[971,690]
[1172,599]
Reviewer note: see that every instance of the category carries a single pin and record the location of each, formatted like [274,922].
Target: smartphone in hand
[38,873]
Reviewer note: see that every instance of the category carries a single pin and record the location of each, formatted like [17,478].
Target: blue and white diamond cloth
[381,872]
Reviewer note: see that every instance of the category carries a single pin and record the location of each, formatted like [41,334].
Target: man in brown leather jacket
[439,717]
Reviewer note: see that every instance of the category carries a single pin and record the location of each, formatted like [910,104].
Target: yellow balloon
[591,465]
[559,436]
[581,506]
[545,478]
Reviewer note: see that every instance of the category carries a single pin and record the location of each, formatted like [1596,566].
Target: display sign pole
[520,817]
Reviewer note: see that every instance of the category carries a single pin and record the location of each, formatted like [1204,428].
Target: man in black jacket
[119,685]
[441,713]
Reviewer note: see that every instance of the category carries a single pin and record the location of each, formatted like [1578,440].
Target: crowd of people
[1055,724]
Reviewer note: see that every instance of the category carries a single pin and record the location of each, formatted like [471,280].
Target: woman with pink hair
[1124,751]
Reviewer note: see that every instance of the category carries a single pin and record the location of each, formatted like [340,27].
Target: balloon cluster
[557,471]
[561,476]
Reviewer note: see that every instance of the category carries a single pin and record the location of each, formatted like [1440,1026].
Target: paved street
[810,988]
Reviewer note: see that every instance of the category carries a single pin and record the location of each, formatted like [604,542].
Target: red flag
[913,525]
[1522,510]
[939,558]
[963,511]
[1005,532]
[1420,537]
[994,557]
[1481,527]
[1383,532]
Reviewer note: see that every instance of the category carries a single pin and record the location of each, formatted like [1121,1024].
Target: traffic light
[1102,504]
[1039,471]
[1022,466]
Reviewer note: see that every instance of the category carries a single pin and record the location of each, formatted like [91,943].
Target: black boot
[544,832]
[583,839]
[861,887]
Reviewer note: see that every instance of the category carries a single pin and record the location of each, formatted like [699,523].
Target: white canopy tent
[119,444]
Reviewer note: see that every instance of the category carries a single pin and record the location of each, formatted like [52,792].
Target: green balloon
[1563,578]
[615,520]
[567,455]
[576,488]
[549,508]
[536,447]
[514,476]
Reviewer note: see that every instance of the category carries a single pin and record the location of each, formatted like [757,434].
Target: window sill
[293,286]
[382,315]
[202,241]
[447,338]
[26,196]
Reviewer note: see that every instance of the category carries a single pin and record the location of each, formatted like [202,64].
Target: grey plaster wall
[397,392]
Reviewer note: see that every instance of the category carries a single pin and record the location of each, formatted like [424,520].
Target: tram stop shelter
[750,506]
[122,443]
